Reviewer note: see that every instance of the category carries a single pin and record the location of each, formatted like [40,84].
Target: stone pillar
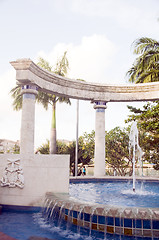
[28,119]
[99,158]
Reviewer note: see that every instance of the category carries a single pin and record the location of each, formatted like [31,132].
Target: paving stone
[3,236]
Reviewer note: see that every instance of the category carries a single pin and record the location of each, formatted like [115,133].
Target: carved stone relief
[13,174]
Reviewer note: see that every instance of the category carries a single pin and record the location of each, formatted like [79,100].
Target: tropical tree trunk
[53,130]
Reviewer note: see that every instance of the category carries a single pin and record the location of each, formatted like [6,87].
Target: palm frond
[44,64]
[145,67]
[143,44]
[16,95]
[62,66]
[64,99]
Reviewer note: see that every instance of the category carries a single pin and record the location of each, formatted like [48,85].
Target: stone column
[99,158]
[28,119]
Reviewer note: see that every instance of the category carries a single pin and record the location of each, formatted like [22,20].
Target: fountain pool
[66,217]
[119,194]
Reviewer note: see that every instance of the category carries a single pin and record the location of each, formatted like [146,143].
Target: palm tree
[146,69]
[45,98]
[146,66]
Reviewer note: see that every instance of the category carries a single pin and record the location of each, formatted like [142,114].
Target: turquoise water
[118,193]
[22,225]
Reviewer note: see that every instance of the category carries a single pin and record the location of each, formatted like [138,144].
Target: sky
[98,36]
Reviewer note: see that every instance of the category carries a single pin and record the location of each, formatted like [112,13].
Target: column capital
[100,104]
[31,89]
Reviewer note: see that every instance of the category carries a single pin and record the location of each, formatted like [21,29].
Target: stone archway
[31,77]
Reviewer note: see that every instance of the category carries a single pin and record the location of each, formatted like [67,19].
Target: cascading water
[137,151]
[126,214]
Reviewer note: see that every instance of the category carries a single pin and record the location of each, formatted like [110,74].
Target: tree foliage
[86,147]
[116,150]
[147,119]
[117,153]
[17,97]
[44,148]
[61,69]
[62,66]
[146,66]
[16,149]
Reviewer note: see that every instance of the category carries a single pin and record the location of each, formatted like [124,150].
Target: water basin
[117,193]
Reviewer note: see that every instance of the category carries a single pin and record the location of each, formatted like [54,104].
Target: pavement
[3,236]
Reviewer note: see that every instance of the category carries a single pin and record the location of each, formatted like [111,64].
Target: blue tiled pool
[23,223]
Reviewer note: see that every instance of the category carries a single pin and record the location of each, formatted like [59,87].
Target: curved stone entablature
[27,72]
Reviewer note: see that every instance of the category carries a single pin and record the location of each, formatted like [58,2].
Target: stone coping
[114,178]
[68,202]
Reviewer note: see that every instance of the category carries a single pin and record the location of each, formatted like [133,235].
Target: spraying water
[137,151]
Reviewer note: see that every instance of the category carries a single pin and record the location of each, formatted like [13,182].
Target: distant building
[8,146]
[67,142]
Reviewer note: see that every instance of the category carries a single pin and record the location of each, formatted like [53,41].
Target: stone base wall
[41,173]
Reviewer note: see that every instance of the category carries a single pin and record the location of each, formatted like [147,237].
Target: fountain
[108,205]
[96,206]
[134,144]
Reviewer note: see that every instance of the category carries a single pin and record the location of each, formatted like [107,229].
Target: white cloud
[88,60]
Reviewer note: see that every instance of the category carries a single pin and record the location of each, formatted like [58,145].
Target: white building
[7,146]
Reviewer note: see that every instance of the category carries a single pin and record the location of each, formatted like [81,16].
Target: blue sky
[98,37]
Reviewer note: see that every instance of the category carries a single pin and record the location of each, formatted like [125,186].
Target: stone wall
[42,173]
